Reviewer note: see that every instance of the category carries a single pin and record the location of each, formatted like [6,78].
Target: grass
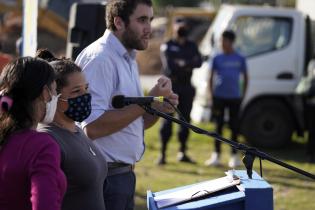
[292,191]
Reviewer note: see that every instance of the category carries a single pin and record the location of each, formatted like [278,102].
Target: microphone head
[118,101]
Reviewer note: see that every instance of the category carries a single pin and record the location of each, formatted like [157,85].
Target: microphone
[119,101]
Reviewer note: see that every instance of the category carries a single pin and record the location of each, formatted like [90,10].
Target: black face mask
[182,32]
[79,107]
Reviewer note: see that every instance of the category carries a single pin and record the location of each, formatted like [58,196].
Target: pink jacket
[30,174]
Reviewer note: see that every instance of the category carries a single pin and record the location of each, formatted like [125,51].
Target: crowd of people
[62,143]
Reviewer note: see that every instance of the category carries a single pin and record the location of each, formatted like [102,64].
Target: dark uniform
[178,62]
[309,97]
[310,110]
[306,89]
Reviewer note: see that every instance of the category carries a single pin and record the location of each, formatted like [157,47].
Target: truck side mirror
[205,57]
[212,42]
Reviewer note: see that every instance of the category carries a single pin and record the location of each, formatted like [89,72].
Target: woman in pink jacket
[30,174]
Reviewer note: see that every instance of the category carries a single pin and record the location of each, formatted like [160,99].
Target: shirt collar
[118,46]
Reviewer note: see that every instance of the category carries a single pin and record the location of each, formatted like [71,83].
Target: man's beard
[130,40]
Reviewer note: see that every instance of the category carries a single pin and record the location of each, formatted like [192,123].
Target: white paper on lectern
[195,191]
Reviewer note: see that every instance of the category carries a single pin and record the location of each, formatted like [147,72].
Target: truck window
[257,35]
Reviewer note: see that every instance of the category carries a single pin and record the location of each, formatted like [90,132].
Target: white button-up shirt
[110,70]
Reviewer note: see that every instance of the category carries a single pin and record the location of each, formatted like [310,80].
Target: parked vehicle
[278,46]
[52,27]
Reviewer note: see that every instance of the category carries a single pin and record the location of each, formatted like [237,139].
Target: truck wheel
[267,123]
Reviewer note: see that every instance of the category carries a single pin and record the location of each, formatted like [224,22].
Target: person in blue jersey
[228,69]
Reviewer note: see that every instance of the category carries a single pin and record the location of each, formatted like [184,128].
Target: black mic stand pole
[249,152]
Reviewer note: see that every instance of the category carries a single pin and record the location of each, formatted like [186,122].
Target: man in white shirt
[110,68]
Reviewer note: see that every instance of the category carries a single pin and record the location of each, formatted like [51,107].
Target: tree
[182,3]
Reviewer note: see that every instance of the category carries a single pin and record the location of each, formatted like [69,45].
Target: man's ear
[119,23]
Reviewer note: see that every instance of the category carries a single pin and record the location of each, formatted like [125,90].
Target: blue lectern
[251,194]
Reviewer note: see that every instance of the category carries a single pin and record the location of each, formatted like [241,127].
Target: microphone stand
[249,152]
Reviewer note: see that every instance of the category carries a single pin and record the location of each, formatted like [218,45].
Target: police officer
[179,57]
[309,96]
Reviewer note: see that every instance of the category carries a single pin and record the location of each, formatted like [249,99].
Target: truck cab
[276,43]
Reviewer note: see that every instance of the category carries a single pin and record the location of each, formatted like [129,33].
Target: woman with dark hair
[31,177]
[81,162]
[45,54]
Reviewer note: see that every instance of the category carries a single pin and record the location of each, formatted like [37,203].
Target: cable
[176,110]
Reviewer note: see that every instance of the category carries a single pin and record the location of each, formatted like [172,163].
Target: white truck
[277,43]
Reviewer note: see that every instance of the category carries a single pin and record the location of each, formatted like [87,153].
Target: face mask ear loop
[50,94]
[62,99]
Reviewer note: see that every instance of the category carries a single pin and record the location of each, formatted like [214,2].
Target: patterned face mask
[79,107]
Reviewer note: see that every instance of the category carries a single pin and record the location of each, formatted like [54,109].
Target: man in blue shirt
[179,57]
[227,69]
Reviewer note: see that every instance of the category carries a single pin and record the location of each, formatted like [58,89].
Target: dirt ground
[149,60]
[45,40]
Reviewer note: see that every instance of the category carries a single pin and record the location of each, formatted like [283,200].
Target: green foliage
[182,3]
[291,191]
[286,3]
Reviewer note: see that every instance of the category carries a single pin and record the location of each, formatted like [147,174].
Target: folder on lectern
[195,191]
[230,192]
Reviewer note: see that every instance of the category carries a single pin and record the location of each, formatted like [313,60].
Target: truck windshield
[257,35]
